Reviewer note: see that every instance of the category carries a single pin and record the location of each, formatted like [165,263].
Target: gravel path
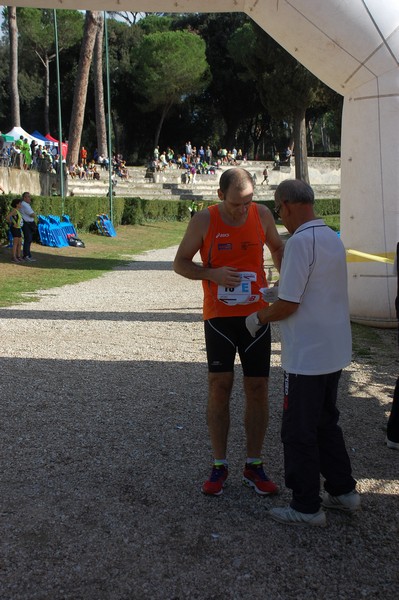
[104,448]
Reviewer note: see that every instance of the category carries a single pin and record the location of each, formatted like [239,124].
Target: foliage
[37,51]
[286,88]
[170,65]
[36,27]
[84,210]
[323,207]
[231,95]
[237,99]
[155,24]
[138,211]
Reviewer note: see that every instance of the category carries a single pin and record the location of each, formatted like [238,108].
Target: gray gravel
[104,448]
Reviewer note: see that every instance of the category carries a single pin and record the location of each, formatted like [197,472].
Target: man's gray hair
[294,191]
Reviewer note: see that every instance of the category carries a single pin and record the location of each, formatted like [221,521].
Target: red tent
[64,144]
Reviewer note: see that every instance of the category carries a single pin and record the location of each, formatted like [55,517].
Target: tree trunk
[46,64]
[115,129]
[99,90]
[165,111]
[82,80]
[301,154]
[311,126]
[14,93]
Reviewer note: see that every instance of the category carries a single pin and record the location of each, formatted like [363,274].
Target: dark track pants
[393,421]
[313,441]
[27,229]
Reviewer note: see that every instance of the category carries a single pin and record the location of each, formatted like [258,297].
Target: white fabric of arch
[353,46]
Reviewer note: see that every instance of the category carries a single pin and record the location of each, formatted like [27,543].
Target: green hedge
[138,210]
[322,207]
[81,209]
[126,211]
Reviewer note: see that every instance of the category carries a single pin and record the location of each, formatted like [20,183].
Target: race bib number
[242,293]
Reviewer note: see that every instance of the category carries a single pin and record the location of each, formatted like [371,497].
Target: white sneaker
[346,502]
[290,516]
[30,259]
[392,445]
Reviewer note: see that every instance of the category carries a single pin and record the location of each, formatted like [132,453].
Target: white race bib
[242,293]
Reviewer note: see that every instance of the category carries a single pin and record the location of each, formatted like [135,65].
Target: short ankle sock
[218,462]
[254,461]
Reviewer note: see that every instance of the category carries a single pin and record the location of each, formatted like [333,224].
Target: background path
[104,448]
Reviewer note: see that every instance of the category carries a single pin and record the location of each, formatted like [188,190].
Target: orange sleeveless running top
[240,247]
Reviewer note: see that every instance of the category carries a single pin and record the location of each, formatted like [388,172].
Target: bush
[138,211]
[5,208]
[83,210]
[322,207]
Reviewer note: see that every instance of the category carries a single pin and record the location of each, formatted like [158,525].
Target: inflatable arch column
[353,46]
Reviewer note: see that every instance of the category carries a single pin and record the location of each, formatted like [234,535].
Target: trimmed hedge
[83,210]
[138,210]
[322,207]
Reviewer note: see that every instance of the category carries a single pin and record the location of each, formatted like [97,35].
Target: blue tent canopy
[41,137]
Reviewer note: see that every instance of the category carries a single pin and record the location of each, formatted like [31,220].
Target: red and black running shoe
[255,477]
[214,485]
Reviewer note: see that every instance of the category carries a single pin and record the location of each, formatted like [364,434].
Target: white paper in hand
[270,294]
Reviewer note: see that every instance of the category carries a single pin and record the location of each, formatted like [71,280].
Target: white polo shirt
[27,212]
[316,339]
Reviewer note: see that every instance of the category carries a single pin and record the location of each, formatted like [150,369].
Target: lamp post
[111,211]
[60,163]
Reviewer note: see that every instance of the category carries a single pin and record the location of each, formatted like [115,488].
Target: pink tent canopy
[64,144]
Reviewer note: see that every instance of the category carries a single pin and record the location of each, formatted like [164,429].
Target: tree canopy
[216,79]
[171,65]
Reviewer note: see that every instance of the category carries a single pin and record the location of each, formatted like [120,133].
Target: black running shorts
[225,336]
[16,232]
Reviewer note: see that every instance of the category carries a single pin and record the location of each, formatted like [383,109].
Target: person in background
[316,344]
[392,438]
[83,156]
[15,221]
[231,236]
[265,176]
[19,152]
[28,226]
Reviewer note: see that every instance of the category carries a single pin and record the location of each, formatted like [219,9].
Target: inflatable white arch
[353,46]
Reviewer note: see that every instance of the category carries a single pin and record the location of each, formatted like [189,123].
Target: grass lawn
[60,266]
[332,221]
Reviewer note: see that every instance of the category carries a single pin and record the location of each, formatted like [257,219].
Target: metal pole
[111,208]
[61,165]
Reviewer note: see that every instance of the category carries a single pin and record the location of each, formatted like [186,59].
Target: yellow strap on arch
[357,256]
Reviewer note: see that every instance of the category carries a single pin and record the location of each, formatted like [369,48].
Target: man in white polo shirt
[316,345]
[28,227]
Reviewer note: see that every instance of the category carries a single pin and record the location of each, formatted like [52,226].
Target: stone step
[324,176]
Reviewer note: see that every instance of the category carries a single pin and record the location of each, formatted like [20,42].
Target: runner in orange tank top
[242,248]
[230,237]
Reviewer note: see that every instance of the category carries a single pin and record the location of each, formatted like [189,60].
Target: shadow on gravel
[102,464]
[177,315]
[68,261]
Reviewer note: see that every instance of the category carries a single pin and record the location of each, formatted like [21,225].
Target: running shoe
[290,516]
[214,485]
[255,477]
[346,502]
